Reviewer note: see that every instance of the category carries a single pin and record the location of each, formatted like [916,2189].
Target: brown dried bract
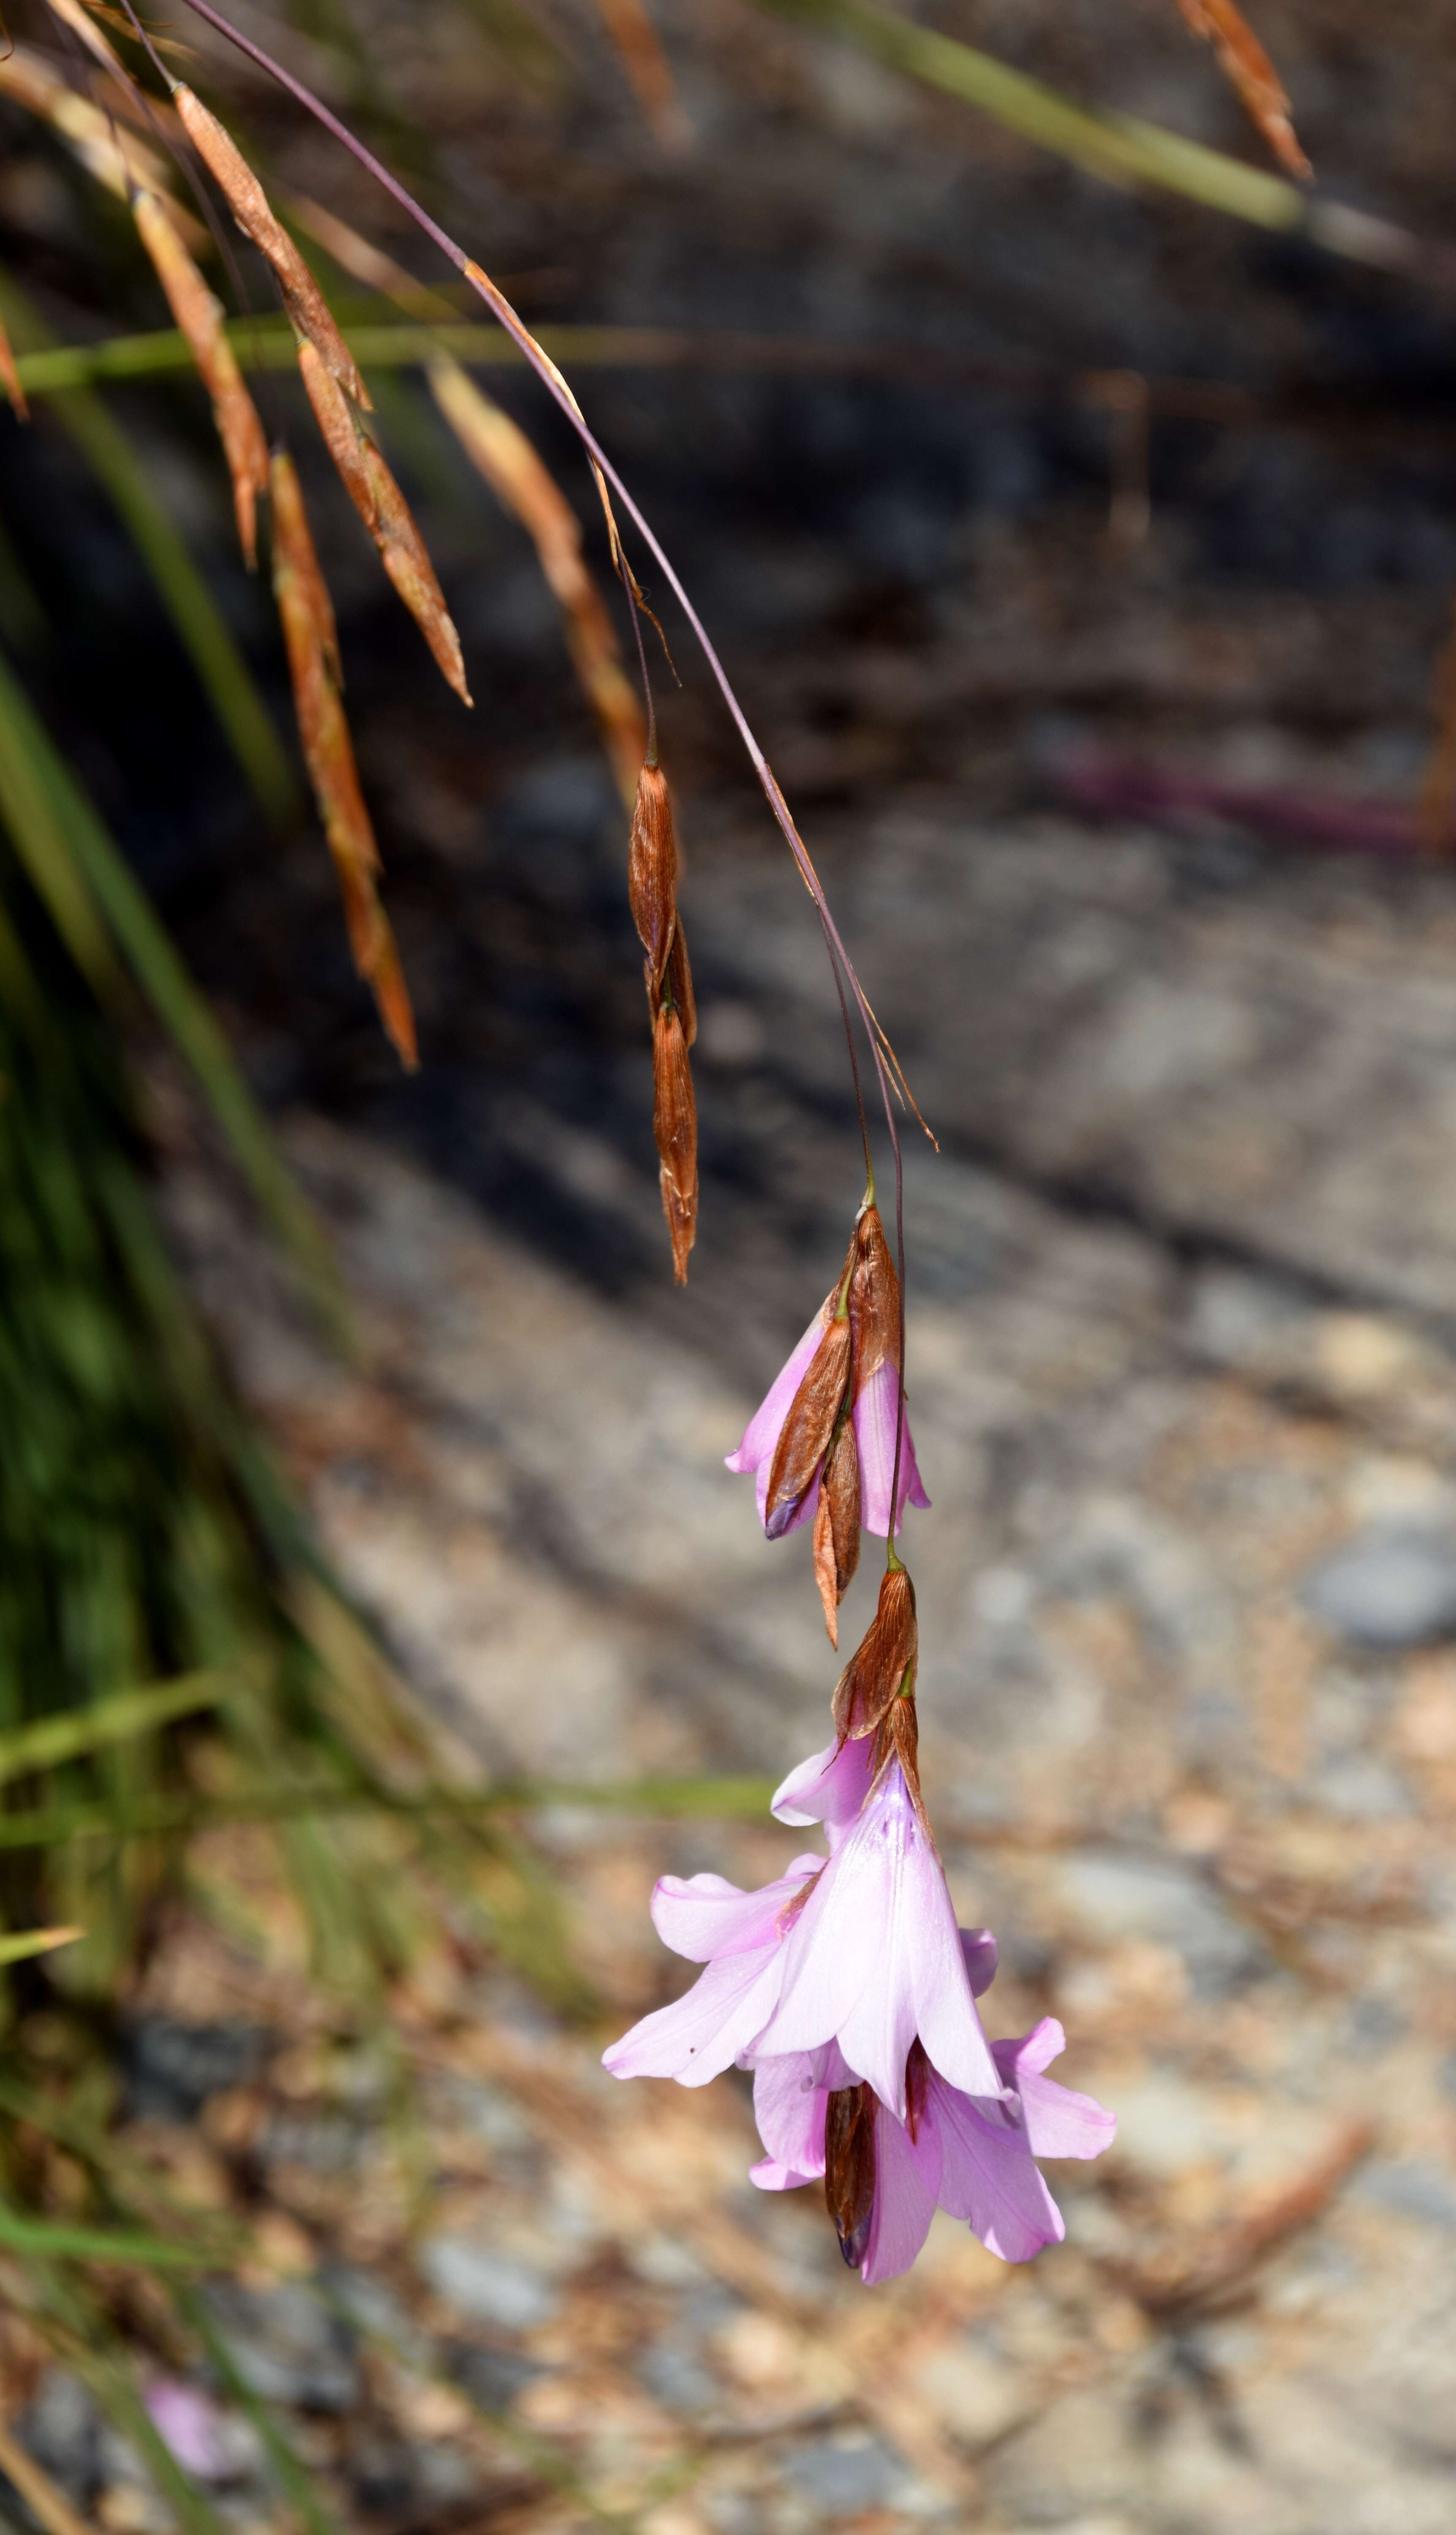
[343,437]
[652,871]
[406,560]
[250,208]
[836,1523]
[873,1300]
[898,1739]
[12,377]
[680,982]
[849,2168]
[674,1127]
[200,318]
[883,1666]
[1251,74]
[309,637]
[804,1437]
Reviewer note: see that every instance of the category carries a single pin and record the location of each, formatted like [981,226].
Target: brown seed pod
[309,637]
[674,1127]
[849,2168]
[406,560]
[804,1437]
[652,871]
[883,1663]
[873,1300]
[200,318]
[836,1523]
[250,208]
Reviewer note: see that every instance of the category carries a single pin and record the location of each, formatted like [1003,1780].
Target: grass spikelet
[250,208]
[340,433]
[312,647]
[406,560]
[11,376]
[200,319]
[1251,74]
[646,65]
[500,451]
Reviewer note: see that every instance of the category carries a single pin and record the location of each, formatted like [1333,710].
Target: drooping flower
[837,1395]
[884,2176]
[740,1938]
[872,1959]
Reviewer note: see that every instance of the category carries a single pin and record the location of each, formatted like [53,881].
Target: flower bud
[805,1435]
[836,1523]
[849,2168]
[653,873]
[882,1665]
[674,1127]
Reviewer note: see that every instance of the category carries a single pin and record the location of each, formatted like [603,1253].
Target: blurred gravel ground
[1184,1398]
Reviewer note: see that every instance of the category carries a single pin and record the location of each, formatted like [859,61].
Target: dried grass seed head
[254,215]
[406,560]
[200,318]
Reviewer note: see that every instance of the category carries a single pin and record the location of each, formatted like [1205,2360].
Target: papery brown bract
[675,1127]
[805,1435]
[1251,74]
[680,982]
[849,2168]
[874,1299]
[881,1668]
[200,318]
[311,644]
[341,435]
[406,560]
[254,215]
[836,1523]
[652,871]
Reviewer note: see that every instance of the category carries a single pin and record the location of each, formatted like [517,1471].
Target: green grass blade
[219,665]
[37,1941]
[42,803]
[20,2234]
[72,1732]
[707,1798]
[297,2484]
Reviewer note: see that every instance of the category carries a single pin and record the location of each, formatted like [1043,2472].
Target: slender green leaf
[37,1941]
[707,1798]
[20,2234]
[224,672]
[49,1740]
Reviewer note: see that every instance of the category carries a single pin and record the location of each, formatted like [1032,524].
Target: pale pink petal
[770,2177]
[981,1955]
[762,1434]
[875,1411]
[1059,2121]
[907,2181]
[989,2177]
[789,2109]
[831,2068]
[875,1958]
[828,1788]
[190,2428]
[702,2034]
[705,1917]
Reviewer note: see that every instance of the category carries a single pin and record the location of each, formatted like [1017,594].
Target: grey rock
[62,2429]
[1114,1897]
[496,2287]
[172,2067]
[490,2378]
[287,2346]
[1390,1586]
[677,2378]
[1413,2189]
[845,2476]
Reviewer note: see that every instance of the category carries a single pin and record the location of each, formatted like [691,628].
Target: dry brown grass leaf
[250,208]
[1251,74]
[308,638]
[117,158]
[501,452]
[646,65]
[199,317]
[82,25]
[10,377]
